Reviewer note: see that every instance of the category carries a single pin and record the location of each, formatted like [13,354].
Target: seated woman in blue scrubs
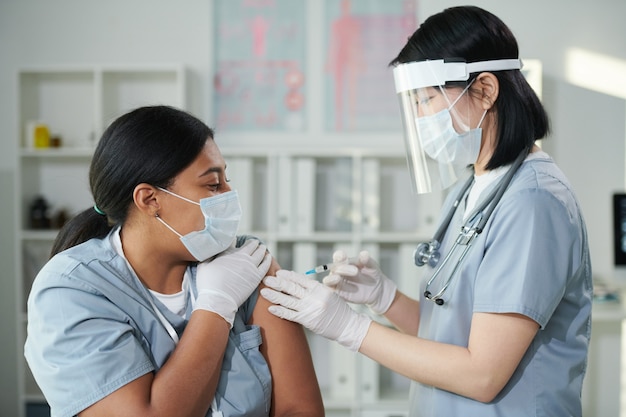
[149,306]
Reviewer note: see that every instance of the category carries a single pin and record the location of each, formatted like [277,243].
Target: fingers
[287,286]
[280,298]
[331,280]
[339,256]
[250,246]
[258,253]
[300,279]
[364,258]
[346,269]
[266,264]
[282,312]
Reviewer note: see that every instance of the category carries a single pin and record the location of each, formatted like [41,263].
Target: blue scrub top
[532,259]
[92,329]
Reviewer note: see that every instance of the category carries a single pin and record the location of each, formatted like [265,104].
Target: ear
[488,89]
[145,199]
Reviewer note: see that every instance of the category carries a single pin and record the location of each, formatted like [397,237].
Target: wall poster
[362,37]
[260,50]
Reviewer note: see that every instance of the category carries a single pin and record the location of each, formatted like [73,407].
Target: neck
[156,269]
[483,159]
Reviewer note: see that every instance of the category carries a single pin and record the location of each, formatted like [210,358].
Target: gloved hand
[316,307]
[227,280]
[362,282]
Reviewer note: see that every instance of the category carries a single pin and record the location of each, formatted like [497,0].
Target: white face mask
[443,143]
[221,220]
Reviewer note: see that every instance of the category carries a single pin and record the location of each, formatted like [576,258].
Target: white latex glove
[361,282]
[227,280]
[316,307]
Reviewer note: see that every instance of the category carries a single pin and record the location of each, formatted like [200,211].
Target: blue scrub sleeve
[81,345]
[532,247]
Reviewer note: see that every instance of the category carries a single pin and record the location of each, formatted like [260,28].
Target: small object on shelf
[39,218]
[55,141]
[41,136]
[36,135]
[603,293]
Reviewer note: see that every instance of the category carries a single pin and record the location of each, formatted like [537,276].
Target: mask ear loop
[480,122]
[453,113]
[167,225]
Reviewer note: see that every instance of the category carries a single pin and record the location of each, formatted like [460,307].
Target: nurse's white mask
[443,143]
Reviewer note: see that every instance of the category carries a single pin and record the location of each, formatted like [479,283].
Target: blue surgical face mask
[221,220]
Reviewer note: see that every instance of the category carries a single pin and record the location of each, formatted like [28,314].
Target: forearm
[186,384]
[444,366]
[404,314]
[497,343]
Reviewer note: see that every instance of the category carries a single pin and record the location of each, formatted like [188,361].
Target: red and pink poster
[260,52]
[363,36]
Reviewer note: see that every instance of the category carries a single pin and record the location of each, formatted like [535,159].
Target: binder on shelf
[369,388]
[370,197]
[409,275]
[285,204]
[334,189]
[241,175]
[304,256]
[304,192]
[343,373]
[428,210]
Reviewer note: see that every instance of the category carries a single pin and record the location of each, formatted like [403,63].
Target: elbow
[486,389]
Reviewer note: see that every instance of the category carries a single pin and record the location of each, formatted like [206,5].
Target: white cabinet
[75,104]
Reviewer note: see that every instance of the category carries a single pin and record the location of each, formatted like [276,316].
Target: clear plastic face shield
[441,128]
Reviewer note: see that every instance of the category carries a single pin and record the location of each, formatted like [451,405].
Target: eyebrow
[211,170]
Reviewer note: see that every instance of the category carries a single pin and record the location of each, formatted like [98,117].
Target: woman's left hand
[316,307]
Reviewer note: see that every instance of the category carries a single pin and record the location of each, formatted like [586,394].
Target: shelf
[47,235]
[76,103]
[62,152]
[608,312]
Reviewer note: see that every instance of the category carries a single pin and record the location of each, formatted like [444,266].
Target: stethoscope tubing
[468,234]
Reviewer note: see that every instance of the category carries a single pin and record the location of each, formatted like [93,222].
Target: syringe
[327,267]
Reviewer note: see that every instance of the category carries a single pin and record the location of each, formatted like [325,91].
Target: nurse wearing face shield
[502,324]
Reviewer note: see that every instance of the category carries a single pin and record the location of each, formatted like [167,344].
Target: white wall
[66,32]
[588,139]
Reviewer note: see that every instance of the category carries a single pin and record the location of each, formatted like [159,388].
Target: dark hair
[147,145]
[473,34]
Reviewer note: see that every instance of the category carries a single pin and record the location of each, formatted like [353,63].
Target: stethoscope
[428,252]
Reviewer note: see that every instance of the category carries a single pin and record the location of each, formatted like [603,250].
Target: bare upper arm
[285,347]
[497,343]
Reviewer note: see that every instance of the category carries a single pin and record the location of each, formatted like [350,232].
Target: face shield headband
[439,140]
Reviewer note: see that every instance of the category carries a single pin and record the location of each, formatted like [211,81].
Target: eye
[215,187]
[423,101]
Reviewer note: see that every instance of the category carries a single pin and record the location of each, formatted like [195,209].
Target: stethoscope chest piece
[427,253]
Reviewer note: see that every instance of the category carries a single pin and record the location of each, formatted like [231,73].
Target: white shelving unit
[77,104]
